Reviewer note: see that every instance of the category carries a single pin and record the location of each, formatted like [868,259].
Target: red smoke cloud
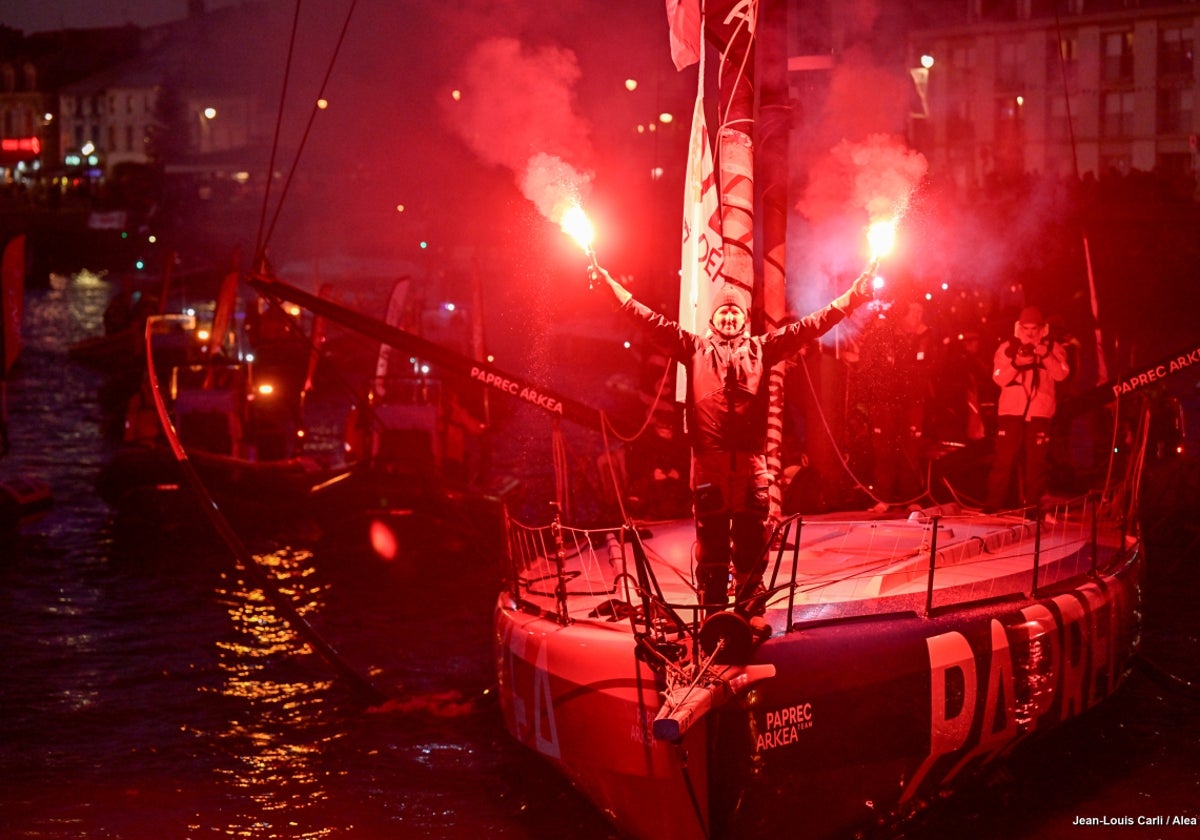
[517,110]
[877,175]
[858,170]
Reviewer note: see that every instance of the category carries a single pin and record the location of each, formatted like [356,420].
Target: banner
[397,303]
[702,249]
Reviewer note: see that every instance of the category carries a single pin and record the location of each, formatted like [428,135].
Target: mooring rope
[243,555]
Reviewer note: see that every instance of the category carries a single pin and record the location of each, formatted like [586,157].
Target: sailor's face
[1029,333]
[728,320]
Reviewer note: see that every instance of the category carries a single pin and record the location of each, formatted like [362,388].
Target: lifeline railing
[1074,521]
[557,563]
[538,556]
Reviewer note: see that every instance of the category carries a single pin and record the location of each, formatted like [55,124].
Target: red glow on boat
[383,540]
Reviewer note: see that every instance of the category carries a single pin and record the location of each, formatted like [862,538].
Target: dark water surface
[148,691]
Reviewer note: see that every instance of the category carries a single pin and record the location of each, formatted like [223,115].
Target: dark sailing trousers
[1014,436]
[731,493]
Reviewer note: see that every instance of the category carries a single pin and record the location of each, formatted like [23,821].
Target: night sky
[41,15]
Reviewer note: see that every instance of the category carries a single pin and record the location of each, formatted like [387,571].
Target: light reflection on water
[149,692]
[284,726]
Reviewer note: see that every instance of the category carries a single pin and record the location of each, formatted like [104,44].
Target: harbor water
[149,690]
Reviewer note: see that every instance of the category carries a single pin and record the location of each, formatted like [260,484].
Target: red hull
[870,703]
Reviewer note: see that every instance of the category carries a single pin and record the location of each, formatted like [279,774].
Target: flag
[397,304]
[12,297]
[683,18]
[702,247]
[223,314]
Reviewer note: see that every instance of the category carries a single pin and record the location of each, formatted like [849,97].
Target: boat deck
[823,568]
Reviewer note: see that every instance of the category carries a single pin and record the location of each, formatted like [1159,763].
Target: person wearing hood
[1026,367]
[727,400]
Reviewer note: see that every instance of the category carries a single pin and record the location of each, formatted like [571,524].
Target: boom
[481,372]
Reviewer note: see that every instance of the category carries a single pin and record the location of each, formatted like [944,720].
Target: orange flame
[881,236]
[575,223]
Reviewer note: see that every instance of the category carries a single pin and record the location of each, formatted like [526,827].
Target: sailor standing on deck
[727,371]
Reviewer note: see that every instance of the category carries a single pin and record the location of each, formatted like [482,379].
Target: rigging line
[606,426]
[649,415]
[841,457]
[312,115]
[1102,368]
[1112,447]
[724,121]
[618,490]
[1062,66]
[228,535]
[259,245]
[1133,473]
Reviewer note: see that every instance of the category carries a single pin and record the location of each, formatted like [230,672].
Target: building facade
[1092,90]
[33,70]
[79,103]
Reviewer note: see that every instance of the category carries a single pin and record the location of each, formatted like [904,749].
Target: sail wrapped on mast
[702,246]
[703,252]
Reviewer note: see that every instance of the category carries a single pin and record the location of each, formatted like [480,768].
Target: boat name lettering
[1052,661]
[1140,380]
[508,386]
[799,713]
[785,725]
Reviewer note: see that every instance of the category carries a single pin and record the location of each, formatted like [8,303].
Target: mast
[774,115]
[753,106]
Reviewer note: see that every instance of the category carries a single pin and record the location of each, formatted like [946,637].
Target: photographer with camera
[1026,367]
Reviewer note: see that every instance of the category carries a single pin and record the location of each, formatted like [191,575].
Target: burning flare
[576,224]
[881,236]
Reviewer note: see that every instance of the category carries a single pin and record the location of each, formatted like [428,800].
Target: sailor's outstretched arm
[597,273]
[860,292]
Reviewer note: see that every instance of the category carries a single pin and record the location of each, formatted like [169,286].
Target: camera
[1027,350]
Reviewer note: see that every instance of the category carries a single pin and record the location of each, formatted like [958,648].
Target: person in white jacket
[1026,367]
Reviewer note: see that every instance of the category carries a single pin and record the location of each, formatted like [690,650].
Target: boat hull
[23,500]
[147,488]
[862,720]
[865,721]
[578,696]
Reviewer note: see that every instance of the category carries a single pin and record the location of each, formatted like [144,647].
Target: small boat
[122,343]
[238,417]
[397,437]
[415,443]
[23,501]
[905,654]
[398,465]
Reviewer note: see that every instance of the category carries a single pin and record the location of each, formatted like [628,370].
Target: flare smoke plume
[516,110]
[877,175]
